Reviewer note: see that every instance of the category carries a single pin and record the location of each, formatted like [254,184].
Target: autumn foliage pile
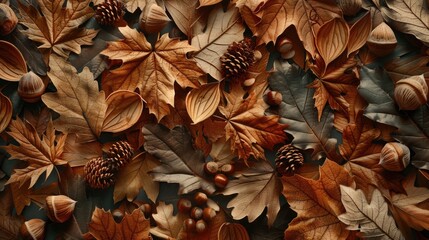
[211,119]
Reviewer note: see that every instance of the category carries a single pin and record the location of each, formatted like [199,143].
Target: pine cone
[109,12]
[288,159]
[238,58]
[100,173]
[120,153]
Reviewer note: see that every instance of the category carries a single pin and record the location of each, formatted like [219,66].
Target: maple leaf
[180,163]
[134,176]
[41,153]
[153,70]
[257,188]
[298,112]
[248,128]
[57,28]
[81,106]
[222,29]
[133,226]
[318,203]
[24,195]
[372,219]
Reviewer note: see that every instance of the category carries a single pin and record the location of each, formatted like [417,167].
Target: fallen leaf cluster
[211,119]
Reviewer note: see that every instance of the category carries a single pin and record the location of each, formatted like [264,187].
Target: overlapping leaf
[168,225]
[5,111]
[202,102]
[12,63]
[187,16]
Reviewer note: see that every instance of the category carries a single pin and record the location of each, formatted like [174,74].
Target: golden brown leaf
[5,112]
[208,2]
[133,226]
[168,226]
[152,70]
[123,110]
[187,16]
[202,102]
[132,5]
[212,229]
[359,32]
[317,203]
[57,28]
[81,106]
[12,63]
[78,154]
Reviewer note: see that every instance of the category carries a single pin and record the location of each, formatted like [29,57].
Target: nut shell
[196,213]
[410,93]
[211,167]
[274,98]
[184,205]
[200,198]
[8,19]
[382,40]
[60,208]
[220,180]
[33,229]
[208,214]
[189,224]
[30,87]
[200,226]
[153,19]
[394,156]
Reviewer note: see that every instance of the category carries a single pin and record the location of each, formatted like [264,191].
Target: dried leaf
[202,102]
[6,111]
[204,3]
[222,29]
[23,195]
[12,63]
[78,154]
[123,111]
[57,28]
[81,106]
[359,32]
[152,70]
[257,188]
[372,219]
[132,5]
[180,163]
[332,39]
[168,226]
[233,231]
[134,177]
[187,16]
[318,203]
[407,66]
[133,226]
[10,227]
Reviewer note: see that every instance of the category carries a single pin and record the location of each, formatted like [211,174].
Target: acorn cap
[394,156]
[382,40]
[153,19]
[8,19]
[410,93]
[60,208]
[33,229]
[31,87]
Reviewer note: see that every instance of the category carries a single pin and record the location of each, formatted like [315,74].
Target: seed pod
[153,19]
[30,87]
[60,208]
[33,229]
[410,93]
[8,19]
[394,156]
[382,40]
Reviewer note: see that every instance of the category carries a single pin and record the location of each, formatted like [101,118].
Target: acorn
[184,205]
[220,180]
[211,167]
[285,47]
[227,169]
[8,19]
[200,198]
[273,98]
[196,213]
[350,7]
[117,215]
[153,19]
[146,209]
[394,156]
[410,93]
[189,224]
[60,208]
[31,87]
[249,82]
[208,214]
[33,229]
[200,226]
[257,55]
[382,40]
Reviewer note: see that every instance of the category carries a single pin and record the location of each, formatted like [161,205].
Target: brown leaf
[23,195]
[39,118]
[332,39]
[204,3]
[211,232]
[57,28]
[133,226]
[10,227]
[359,32]
[12,63]
[257,188]
[78,154]
[168,226]
[134,177]
[233,231]
[202,102]
[222,29]
[132,5]
[6,111]
[187,16]
[152,70]
[123,111]
[317,203]
[407,66]
[81,106]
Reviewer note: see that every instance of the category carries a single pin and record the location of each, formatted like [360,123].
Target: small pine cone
[238,58]
[120,153]
[109,12]
[288,159]
[100,173]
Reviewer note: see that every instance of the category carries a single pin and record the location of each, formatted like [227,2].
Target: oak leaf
[202,102]
[5,112]
[42,153]
[133,226]
[168,226]
[12,63]
[257,188]
[180,162]
[317,203]
[222,29]
[248,128]
[57,28]
[81,106]
[371,219]
[153,70]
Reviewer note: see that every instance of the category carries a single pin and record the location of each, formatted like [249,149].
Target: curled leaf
[359,32]
[232,231]
[5,111]
[202,102]
[332,39]
[12,63]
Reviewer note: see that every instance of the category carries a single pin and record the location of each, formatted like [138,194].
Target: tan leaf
[132,5]
[133,226]
[233,231]
[134,177]
[6,111]
[208,2]
[168,226]
[57,28]
[202,102]
[221,152]
[257,188]
[41,153]
[187,16]
[359,32]
[81,106]
[78,154]
[123,111]
[372,219]
[222,29]
[152,70]
[12,63]
[317,203]
[332,39]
